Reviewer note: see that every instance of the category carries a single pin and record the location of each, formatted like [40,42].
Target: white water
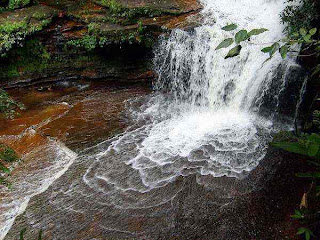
[204,118]
[41,168]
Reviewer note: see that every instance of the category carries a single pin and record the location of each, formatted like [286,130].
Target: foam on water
[204,117]
[41,168]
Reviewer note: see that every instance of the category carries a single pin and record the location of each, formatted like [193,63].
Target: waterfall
[205,115]
[191,69]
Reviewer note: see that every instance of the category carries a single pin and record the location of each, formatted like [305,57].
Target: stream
[108,161]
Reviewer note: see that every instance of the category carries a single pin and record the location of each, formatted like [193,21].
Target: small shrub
[40,15]
[141,28]
[8,105]
[113,5]
[7,154]
[88,42]
[300,15]
[13,4]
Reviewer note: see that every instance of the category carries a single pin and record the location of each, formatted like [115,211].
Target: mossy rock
[14,4]
[7,154]
[17,25]
[163,6]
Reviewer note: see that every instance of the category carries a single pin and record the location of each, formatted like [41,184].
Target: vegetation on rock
[299,15]
[299,19]
[7,156]
[32,57]
[13,4]
[302,29]
[15,28]
[8,106]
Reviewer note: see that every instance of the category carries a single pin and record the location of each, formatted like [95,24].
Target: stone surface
[80,114]
[89,40]
[16,25]
[258,207]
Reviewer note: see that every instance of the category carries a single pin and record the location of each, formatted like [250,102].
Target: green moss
[10,27]
[113,5]
[24,23]
[284,136]
[13,4]
[88,42]
[127,16]
[33,57]
[98,37]
[92,28]
[41,15]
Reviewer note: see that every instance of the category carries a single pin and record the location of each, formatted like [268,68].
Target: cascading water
[205,116]
[203,119]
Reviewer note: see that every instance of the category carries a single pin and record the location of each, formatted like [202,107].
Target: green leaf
[301,231]
[316,71]
[266,49]
[308,236]
[303,32]
[271,49]
[292,42]
[229,27]
[40,235]
[313,31]
[314,138]
[307,37]
[257,31]
[307,232]
[284,51]
[309,175]
[295,35]
[297,215]
[313,149]
[225,43]
[234,52]
[242,35]
[274,49]
[294,147]
[4,168]
[22,233]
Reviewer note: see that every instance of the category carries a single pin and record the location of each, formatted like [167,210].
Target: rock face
[79,115]
[85,39]
[60,120]
[16,26]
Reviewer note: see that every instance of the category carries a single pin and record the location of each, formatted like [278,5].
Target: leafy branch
[283,46]
[306,232]
[240,36]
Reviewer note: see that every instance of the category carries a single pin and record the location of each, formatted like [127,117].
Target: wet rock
[79,114]
[258,207]
[202,207]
